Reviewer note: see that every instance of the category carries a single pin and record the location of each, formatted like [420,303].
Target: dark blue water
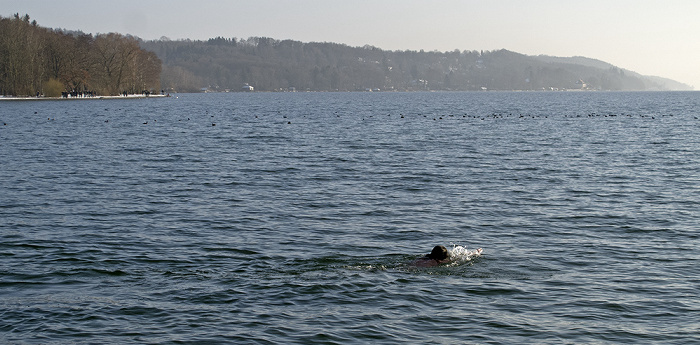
[293,218]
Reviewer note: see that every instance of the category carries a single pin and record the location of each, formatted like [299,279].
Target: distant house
[248,88]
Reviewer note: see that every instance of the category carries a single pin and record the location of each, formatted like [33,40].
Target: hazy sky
[652,37]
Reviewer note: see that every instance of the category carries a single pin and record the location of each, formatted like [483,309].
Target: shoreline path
[11,98]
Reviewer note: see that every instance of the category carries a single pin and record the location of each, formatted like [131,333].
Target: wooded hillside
[272,65]
[36,60]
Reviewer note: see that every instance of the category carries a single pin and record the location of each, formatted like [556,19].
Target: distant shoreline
[12,98]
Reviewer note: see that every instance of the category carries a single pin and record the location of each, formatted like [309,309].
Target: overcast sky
[652,37]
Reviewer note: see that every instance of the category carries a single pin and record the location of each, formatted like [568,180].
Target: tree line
[40,61]
[268,64]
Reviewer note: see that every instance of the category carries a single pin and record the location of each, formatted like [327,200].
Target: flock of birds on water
[494,115]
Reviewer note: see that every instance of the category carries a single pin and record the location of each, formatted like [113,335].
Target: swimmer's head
[438,253]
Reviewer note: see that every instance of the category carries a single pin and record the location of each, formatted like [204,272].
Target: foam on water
[460,255]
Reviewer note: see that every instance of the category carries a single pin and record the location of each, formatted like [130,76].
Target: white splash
[460,255]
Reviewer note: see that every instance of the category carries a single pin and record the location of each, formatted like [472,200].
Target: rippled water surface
[293,218]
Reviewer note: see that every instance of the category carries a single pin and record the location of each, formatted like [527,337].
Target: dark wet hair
[438,253]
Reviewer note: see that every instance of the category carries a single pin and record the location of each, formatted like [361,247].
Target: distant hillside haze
[662,83]
[266,64]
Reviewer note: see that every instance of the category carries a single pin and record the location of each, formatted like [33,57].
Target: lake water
[269,218]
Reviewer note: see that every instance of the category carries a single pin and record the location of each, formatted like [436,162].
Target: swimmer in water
[438,256]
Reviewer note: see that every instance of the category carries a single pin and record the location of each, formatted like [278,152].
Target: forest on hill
[222,64]
[40,61]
